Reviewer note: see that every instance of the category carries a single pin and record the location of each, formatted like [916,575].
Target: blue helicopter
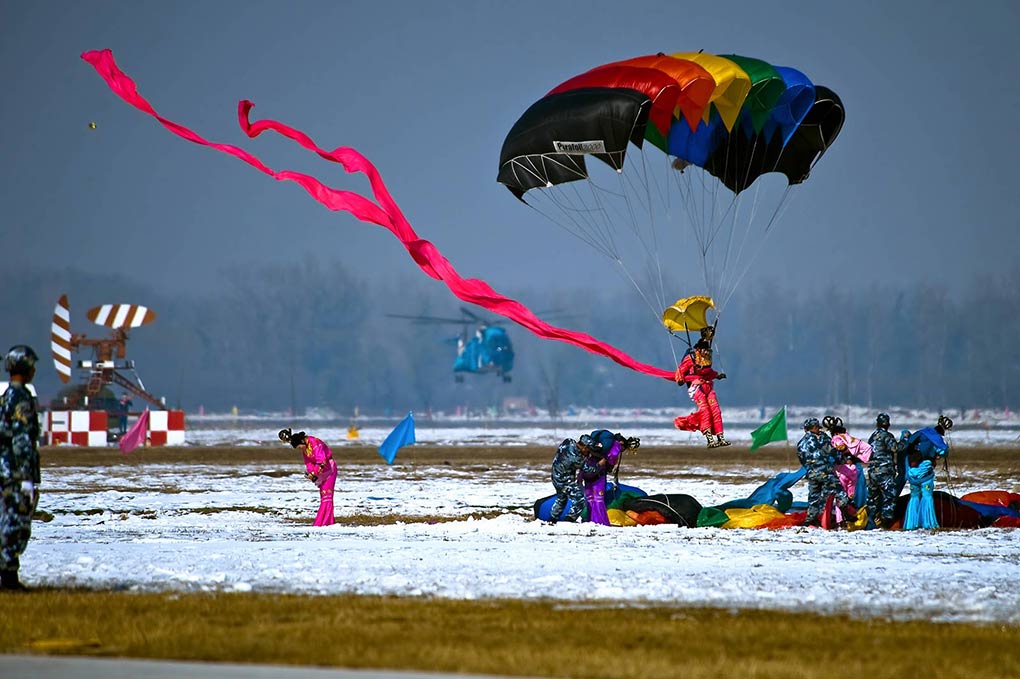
[486,350]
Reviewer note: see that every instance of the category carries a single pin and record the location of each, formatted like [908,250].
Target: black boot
[9,581]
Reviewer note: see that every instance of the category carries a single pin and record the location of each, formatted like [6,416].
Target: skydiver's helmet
[811,422]
[944,422]
[585,440]
[21,360]
[882,420]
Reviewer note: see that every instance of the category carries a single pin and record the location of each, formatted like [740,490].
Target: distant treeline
[275,337]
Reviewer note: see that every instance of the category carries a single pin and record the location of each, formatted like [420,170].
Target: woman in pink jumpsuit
[320,469]
[852,451]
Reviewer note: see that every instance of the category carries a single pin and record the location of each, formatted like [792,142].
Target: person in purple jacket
[606,450]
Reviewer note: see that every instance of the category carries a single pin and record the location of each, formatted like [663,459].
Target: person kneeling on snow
[566,468]
[606,450]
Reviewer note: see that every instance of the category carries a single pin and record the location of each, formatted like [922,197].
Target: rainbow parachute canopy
[734,116]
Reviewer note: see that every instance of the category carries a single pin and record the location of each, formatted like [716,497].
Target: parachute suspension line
[739,257]
[649,179]
[654,268]
[696,203]
[783,205]
[781,208]
[625,191]
[604,226]
[595,218]
[724,267]
[569,217]
[656,313]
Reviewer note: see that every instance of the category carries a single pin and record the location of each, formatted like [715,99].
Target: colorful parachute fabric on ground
[735,116]
[770,507]
[615,494]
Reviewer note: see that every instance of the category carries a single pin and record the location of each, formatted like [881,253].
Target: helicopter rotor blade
[429,319]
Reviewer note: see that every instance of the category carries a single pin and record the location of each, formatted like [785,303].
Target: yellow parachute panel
[732,84]
[688,314]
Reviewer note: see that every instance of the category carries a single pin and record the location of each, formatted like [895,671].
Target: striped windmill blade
[121,315]
[60,339]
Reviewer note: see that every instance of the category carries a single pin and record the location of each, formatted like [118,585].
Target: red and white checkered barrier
[166,427]
[88,428]
[76,428]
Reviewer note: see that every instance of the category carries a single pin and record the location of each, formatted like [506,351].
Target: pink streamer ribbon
[384,212]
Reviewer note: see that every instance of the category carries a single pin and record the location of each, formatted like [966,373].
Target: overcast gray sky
[921,185]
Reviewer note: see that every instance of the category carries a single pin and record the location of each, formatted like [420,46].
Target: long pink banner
[383,212]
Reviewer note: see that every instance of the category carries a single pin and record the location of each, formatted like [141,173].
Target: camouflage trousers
[882,492]
[16,509]
[823,482]
[571,490]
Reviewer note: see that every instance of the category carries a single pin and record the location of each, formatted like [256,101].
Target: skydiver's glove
[720,376]
[311,477]
[633,443]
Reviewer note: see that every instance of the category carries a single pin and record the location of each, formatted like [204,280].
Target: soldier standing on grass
[19,463]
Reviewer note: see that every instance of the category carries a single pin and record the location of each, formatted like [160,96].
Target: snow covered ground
[653,426]
[247,527]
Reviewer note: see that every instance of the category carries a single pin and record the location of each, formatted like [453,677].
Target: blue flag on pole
[402,435]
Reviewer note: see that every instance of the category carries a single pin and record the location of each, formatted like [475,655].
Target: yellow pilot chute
[688,314]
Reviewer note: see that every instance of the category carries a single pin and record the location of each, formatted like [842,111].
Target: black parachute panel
[548,144]
[813,137]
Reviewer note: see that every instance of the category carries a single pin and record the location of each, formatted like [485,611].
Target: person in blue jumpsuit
[922,450]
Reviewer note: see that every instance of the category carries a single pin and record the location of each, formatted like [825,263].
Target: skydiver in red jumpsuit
[695,373]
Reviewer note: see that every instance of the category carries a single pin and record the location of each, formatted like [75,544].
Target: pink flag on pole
[136,435]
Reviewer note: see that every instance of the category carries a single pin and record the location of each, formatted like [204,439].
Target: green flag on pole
[773,430]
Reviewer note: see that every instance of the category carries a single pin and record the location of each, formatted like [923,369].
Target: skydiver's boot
[721,441]
[9,581]
[710,438]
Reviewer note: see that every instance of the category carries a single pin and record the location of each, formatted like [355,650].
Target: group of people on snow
[831,458]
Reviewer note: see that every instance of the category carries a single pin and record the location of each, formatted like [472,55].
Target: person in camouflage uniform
[19,463]
[814,451]
[882,473]
[565,468]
